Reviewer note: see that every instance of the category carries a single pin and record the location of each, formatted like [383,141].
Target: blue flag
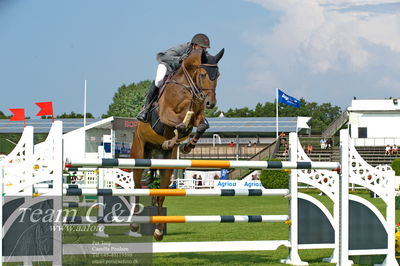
[286,99]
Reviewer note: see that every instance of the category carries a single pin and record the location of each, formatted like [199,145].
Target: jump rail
[169,192]
[178,219]
[196,164]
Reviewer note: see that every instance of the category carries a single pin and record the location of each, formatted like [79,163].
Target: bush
[396,166]
[275,178]
[397,202]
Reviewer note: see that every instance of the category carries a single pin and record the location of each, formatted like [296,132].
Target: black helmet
[201,39]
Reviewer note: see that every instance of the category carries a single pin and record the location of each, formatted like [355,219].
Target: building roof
[229,125]
[256,124]
[43,125]
[387,105]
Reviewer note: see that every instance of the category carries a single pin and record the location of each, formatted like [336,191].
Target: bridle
[198,94]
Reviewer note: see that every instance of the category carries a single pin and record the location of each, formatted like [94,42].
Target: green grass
[213,232]
[220,232]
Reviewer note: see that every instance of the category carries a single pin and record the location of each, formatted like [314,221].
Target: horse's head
[205,74]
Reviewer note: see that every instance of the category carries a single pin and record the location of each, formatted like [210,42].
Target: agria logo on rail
[239,184]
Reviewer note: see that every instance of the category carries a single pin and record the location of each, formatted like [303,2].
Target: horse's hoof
[183,150]
[203,127]
[134,227]
[158,235]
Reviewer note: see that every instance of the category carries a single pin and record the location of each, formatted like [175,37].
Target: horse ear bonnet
[220,54]
[206,58]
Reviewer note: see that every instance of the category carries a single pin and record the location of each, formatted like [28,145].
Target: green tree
[267,109]
[128,100]
[239,112]
[322,114]
[3,116]
[214,112]
[70,115]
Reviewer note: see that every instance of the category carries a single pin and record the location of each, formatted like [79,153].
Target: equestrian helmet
[201,40]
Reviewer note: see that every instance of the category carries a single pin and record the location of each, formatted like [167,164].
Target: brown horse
[180,108]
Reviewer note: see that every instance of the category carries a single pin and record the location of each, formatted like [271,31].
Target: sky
[324,51]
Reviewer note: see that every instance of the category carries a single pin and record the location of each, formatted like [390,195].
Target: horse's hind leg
[137,152]
[165,179]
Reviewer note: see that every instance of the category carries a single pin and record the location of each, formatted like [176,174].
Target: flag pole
[276,103]
[84,106]
[84,119]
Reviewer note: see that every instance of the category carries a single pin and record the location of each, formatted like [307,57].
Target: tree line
[322,114]
[128,101]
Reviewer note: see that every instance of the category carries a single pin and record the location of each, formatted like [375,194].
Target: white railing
[376,141]
[194,183]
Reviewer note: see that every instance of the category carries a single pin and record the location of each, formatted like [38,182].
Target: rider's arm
[173,56]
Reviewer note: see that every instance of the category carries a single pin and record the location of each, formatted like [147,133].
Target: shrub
[396,166]
[275,178]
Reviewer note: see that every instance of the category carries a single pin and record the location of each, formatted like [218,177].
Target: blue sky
[324,51]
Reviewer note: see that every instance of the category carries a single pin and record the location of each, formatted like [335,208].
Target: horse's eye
[203,75]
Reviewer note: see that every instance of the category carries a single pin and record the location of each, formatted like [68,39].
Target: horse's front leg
[160,227]
[137,174]
[181,127]
[189,146]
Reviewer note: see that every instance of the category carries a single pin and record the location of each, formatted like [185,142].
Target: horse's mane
[193,59]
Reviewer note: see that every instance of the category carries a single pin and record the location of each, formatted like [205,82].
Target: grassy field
[212,232]
[224,232]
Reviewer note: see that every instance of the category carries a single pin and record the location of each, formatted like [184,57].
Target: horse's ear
[219,55]
[203,57]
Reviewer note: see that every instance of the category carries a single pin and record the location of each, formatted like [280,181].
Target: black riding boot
[151,94]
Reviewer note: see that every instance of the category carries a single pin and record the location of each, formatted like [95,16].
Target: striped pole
[79,204]
[169,192]
[80,169]
[196,164]
[67,186]
[177,219]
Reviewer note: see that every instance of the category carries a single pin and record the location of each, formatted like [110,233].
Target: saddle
[166,79]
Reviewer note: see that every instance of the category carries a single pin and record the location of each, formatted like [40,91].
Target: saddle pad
[159,127]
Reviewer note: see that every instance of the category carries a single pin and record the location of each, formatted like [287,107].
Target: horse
[180,107]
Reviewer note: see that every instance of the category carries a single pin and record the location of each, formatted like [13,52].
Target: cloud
[341,4]
[389,82]
[321,37]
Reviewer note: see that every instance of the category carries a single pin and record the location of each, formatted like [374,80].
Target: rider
[170,61]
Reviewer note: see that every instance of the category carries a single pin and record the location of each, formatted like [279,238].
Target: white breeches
[161,72]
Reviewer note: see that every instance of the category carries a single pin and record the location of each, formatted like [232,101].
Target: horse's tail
[153,174]
[153,181]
